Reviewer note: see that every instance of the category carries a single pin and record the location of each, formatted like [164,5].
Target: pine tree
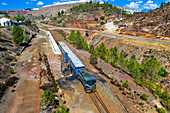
[151,69]
[91,48]
[121,59]
[17,33]
[134,67]
[22,18]
[62,12]
[93,58]
[59,13]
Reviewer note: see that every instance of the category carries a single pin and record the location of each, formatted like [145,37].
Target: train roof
[65,48]
[86,75]
[75,60]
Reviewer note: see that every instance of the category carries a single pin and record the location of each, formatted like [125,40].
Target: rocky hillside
[53,9]
[154,22]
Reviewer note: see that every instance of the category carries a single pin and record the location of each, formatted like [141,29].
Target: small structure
[6,21]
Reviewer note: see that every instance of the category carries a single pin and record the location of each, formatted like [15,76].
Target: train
[77,68]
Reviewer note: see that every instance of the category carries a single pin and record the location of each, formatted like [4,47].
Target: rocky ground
[155,23]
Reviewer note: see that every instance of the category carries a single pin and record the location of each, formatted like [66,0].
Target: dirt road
[25,97]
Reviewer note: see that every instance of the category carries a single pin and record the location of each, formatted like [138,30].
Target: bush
[112,78]
[18,54]
[160,110]
[4,48]
[141,103]
[96,19]
[102,23]
[28,22]
[61,109]
[11,81]
[144,97]
[11,71]
[163,72]
[102,17]
[59,21]
[121,80]
[126,84]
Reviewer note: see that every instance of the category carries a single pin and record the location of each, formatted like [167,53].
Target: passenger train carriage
[88,81]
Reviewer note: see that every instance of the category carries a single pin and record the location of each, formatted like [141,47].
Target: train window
[88,82]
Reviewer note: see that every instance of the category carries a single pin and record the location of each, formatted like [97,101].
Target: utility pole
[121,15]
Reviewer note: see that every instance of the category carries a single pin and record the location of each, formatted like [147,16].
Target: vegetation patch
[11,81]
[77,40]
[144,97]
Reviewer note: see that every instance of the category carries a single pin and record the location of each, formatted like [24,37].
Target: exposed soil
[25,95]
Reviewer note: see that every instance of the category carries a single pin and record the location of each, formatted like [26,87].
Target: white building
[6,21]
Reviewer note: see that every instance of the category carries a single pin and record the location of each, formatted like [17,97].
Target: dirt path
[26,95]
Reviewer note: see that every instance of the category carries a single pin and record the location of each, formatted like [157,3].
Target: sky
[142,5]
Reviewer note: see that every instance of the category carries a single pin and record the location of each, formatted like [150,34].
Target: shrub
[141,103]
[18,54]
[96,19]
[126,84]
[160,110]
[11,81]
[121,80]
[61,109]
[112,78]
[59,21]
[144,97]
[111,81]
[5,48]
[102,23]
[102,17]
[11,71]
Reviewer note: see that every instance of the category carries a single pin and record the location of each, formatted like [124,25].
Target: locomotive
[78,68]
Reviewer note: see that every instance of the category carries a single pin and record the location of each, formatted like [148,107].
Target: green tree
[60,21]
[17,33]
[93,58]
[91,48]
[6,15]
[28,22]
[102,23]
[126,84]
[144,97]
[160,110]
[115,60]
[59,14]
[163,72]
[47,98]
[79,44]
[121,59]
[71,37]
[134,67]
[42,16]
[162,4]
[151,69]
[62,12]
[102,17]
[25,36]
[22,18]
[96,19]
[55,18]
[61,109]
[18,17]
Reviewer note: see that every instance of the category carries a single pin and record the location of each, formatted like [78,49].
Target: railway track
[98,102]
